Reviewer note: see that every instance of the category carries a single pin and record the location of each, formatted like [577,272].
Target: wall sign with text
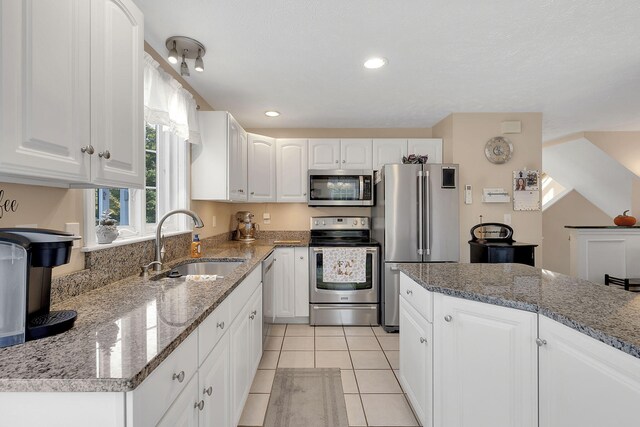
[7,204]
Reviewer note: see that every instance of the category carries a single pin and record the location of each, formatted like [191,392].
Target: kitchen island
[509,344]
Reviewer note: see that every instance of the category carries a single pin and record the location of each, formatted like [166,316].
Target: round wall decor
[498,150]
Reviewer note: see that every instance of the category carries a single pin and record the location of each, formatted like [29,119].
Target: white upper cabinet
[117,43]
[431,147]
[485,365]
[584,382]
[356,154]
[324,154]
[219,164]
[261,162]
[340,154]
[72,90]
[388,151]
[291,167]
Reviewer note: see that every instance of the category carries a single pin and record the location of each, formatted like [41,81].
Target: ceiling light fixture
[173,54]
[184,70]
[373,63]
[199,63]
[271,113]
[190,48]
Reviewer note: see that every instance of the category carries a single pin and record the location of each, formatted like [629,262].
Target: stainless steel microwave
[340,187]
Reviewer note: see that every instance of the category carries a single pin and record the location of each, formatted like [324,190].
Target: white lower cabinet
[416,361]
[214,381]
[291,283]
[584,382]
[184,411]
[485,365]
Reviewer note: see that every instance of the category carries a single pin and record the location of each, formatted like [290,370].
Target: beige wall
[46,207]
[465,136]
[572,209]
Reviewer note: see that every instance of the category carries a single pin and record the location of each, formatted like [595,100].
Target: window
[166,188]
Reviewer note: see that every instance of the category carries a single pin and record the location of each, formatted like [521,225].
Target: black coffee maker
[27,257]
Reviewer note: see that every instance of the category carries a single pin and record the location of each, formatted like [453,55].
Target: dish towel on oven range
[344,265]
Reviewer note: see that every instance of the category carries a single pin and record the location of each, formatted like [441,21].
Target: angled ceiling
[578,62]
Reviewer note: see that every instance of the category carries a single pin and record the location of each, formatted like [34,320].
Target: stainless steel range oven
[343,301]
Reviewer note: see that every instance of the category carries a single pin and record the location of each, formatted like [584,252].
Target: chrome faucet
[196,220]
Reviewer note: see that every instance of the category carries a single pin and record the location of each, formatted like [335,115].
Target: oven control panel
[340,223]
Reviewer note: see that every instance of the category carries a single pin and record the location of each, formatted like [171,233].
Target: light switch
[266,218]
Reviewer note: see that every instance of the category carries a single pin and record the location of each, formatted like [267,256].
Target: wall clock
[498,150]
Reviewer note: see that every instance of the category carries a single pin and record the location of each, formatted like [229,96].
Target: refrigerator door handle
[427,209]
[420,212]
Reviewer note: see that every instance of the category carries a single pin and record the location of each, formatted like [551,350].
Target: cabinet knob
[344,161]
[304,194]
[253,192]
[409,292]
[88,149]
[336,161]
[179,376]
[448,318]
[423,340]
[106,154]
[252,316]
[301,257]
[254,312]
[541,342]
[220,325]
[208,391]
[199,405]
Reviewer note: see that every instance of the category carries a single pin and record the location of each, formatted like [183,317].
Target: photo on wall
[526,190]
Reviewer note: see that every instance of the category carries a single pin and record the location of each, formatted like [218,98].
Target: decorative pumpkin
[624,220]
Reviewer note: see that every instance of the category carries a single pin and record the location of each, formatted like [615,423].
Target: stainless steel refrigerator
[415,219]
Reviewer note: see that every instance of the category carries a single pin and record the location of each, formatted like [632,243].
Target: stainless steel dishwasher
[267,296]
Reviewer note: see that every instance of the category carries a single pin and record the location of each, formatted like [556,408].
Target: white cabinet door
[324,154]
[485,365]
[45,83]
[356,154]
[184,412]
[416,361]
[261,160]
[214,375]
[283,282]
[255,338]
[240,347]
[117,124]
[291,167]
[301,279]
[426,146]
[388,151]
[584,382]
[237,161]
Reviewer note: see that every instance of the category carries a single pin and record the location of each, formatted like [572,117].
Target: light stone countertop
[126,329]
[609,314]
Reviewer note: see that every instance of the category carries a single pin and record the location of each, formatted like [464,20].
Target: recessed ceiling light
[373,63]
[271,113]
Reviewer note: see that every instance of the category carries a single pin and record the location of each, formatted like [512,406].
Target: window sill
[122,242]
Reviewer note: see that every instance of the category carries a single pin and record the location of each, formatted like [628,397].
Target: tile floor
[366,356]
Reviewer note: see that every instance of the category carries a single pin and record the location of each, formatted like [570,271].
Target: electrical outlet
[74,228]
[266,218]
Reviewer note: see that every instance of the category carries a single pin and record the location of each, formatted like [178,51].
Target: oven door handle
[361,187]
[316,307]
[369,250]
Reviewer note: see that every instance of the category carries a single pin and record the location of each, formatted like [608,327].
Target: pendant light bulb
[199,62]
[184,70]
[173,54]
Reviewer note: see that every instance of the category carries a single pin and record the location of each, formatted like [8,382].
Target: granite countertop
[126,329]
[608,314]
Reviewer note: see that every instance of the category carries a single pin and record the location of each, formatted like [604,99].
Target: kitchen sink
[219,268]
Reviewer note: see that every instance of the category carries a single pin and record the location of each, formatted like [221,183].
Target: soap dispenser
[196,247]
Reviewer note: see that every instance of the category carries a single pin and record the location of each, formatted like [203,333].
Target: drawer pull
[252,316]
[409,292]
[179,376]
[208,391]
[199,405]
[254,312]
[220,325]
[423,340]
[448,318]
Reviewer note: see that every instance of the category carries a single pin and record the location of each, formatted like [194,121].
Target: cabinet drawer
[212,329]
[241,294]
[158,391]
[419,298]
